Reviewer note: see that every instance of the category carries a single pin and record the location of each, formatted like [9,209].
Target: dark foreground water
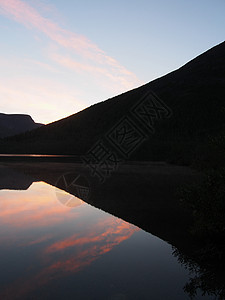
[52,251]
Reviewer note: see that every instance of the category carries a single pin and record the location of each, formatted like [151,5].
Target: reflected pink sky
[34,219]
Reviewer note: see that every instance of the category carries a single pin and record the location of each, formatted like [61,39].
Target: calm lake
[53,251]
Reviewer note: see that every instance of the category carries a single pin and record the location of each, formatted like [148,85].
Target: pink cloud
[116,79]
[31,18]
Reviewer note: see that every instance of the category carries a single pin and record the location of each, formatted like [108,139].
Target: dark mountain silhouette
[12,124]
[194,96]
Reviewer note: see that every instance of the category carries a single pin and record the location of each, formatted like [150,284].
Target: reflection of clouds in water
[35,207]
[110,231]
[79,251]
[91,233]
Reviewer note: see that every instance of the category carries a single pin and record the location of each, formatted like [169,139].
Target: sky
[59,57]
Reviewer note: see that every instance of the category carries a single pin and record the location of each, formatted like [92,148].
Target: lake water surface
[52,251]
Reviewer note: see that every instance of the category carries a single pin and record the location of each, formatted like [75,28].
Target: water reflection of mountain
[146,196]
[142,195]
[13,180]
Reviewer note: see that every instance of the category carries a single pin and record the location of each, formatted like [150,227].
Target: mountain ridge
[195,93]
[13,124]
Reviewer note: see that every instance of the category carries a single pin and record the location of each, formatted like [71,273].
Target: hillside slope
[192,101]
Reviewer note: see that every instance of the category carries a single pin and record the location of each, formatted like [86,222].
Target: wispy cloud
[93,59]
[113,80]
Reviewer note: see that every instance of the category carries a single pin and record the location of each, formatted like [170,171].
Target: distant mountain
[12,124]
[192,100]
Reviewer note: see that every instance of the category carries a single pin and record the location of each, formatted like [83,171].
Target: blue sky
[58,57]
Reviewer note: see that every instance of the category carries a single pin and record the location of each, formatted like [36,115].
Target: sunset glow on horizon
[58,59]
